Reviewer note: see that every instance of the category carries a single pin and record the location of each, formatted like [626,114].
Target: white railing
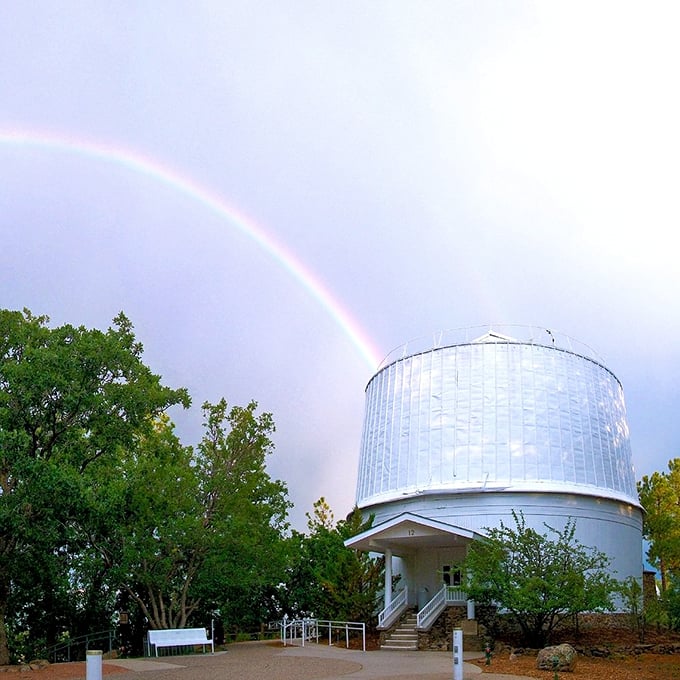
[432,609]
[455,596]
[294,630]
[501,333]
[447,595]
[393,609]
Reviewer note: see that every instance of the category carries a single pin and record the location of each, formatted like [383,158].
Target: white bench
[179,637]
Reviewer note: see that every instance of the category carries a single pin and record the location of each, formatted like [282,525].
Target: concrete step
[387,648]
[401,640]
[404,637]
[400,645]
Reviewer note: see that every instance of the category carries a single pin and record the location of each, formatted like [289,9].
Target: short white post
[93,666]
[457,654]
[470,609]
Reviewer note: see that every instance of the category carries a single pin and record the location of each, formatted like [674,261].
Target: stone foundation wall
[439,637]
[493,626]
[649,587]
[617,621]
[502,627]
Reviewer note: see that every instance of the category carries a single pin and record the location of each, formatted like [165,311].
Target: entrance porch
[421,558]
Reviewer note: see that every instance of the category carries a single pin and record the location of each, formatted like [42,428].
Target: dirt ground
[62,671]
[620,665]
[643,667]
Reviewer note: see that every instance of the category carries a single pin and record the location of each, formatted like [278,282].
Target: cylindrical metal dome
[473,428]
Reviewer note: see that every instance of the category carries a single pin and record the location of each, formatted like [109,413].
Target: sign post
[457,654]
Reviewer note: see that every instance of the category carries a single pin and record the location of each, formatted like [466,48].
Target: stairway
[404,636]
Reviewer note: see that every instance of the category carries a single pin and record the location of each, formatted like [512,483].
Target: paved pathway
[260,661]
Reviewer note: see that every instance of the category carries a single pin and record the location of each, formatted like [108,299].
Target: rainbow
[135,161]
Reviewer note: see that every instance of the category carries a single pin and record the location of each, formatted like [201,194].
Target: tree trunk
[662,569]
[4,644]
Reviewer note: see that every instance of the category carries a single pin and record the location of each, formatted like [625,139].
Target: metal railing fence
[75,649]
[294,630]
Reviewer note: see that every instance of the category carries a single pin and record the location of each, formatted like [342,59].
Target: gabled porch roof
[408,533]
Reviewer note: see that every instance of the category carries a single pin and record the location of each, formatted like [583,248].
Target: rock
[558,658]
[601,652]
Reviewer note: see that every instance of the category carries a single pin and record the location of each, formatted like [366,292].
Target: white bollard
[94,664]
[457,654]
[470,609]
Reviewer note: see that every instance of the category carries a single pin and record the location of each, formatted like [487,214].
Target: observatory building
[462,430]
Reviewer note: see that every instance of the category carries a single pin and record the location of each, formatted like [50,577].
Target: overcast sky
[279,193]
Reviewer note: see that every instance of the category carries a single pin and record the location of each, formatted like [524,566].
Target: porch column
[388,576]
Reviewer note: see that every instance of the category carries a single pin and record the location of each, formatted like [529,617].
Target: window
[451,575]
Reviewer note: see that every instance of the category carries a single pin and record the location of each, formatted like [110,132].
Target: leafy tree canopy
[70,400]
[190,533]
[540,579]
[660,497]
[325,578]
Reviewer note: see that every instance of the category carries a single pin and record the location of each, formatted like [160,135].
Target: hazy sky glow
[279,193]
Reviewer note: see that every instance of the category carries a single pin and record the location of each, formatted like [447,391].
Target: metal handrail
[512,333]
[103,635]
[308,629]
[393,608]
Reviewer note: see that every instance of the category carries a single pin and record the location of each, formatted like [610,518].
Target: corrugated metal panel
[499,414]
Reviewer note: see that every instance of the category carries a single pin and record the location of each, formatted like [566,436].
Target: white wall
[610,526]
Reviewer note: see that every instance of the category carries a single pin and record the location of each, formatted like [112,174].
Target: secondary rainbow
[138,162]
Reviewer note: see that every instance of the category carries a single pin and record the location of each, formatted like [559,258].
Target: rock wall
[440,636]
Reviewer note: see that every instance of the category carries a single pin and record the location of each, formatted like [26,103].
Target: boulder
[558,658]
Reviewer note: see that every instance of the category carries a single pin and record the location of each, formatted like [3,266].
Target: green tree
[539,579]
[245,512]
[660,497]
[197,532]
[143,525]
[327,579]
[632,598]
[70,400]
[671,603]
